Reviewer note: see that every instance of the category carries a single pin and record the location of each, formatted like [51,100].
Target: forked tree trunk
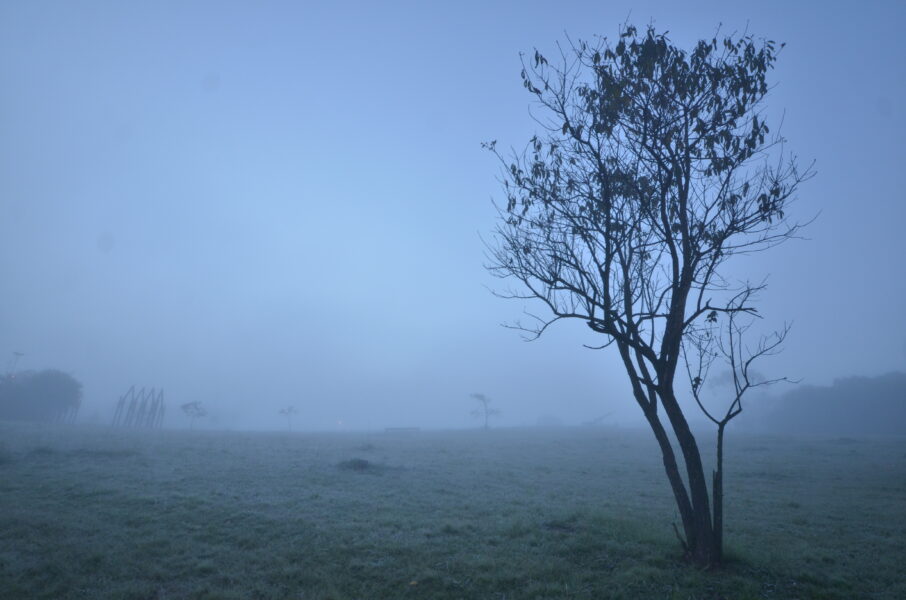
[702,536]
[700,545]
[676,480]
[693,503]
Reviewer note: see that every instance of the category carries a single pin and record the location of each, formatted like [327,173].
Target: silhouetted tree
[707,341]
[288,412]
[484,408]
[48,395]
[193,410]
[654,169]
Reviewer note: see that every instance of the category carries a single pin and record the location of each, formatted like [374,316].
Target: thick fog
[269,204]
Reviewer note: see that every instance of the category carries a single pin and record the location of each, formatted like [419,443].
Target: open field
[564,513]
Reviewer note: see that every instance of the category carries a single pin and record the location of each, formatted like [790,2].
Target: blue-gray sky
[260,204]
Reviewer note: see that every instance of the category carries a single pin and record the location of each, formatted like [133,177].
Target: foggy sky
[262,204]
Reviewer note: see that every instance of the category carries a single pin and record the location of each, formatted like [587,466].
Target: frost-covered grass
[567,513]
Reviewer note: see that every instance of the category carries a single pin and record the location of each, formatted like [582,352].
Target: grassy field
[566,513]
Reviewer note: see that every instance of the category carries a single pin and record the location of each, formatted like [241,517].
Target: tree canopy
[48,395]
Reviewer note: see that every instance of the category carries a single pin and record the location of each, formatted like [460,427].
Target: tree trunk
[694,504]
[676,481]
[717,489]
[700,545]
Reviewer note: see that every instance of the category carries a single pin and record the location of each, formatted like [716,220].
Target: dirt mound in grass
[359,465]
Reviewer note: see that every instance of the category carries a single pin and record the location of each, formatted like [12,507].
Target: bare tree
[653,170]
[288,412]
[484,408]
[701,346]
[193,410]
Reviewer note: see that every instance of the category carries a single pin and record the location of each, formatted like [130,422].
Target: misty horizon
[253,212]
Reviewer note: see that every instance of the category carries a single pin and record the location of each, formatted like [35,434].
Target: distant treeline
[851,406]
[48,395]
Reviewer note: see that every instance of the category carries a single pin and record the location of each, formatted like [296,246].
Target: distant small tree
[288,412]
[484,408]
[193,410]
